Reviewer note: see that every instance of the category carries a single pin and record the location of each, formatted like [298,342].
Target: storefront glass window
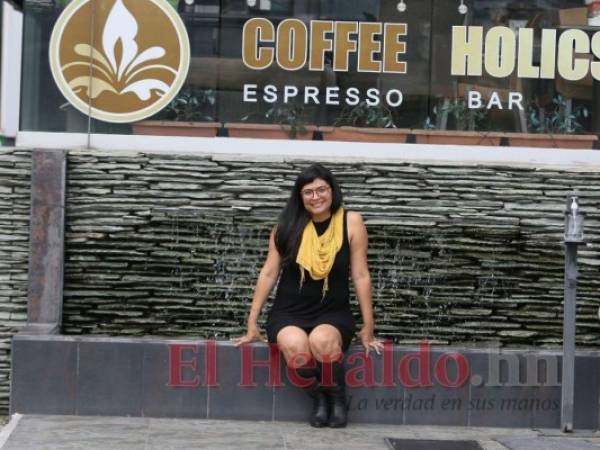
[475,65]
[552,105]
[43,108]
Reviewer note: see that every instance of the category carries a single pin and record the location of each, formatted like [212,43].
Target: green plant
[459,113]
[430,124]
[365,115]
[290,116]
[190,105]
[556,118]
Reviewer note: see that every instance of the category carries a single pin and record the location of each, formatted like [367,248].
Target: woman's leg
[326,346]
[293,343]
[325,343]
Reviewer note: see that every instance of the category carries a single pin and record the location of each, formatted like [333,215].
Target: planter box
[581,141]
[360,134]
[172,128]
[448,137]
[267,131]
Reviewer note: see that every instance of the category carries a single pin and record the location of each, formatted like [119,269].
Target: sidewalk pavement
[41,432]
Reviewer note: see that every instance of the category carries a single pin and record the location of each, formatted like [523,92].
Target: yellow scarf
[317,253]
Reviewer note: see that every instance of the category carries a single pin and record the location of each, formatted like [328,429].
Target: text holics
[501,51]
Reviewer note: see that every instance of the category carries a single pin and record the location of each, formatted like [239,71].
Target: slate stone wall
[15,170]
[170,245]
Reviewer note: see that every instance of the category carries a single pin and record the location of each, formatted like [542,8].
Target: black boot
[338,417]
[320,412]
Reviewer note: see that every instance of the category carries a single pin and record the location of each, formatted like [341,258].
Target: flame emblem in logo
[119,60]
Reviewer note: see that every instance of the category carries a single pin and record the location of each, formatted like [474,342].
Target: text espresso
[293,46]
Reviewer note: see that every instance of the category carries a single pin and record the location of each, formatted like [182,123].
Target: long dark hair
[294,217]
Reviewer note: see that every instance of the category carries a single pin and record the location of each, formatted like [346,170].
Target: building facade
[456,128]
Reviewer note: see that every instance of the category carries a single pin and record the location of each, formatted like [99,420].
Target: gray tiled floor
[37,432]
[548,444]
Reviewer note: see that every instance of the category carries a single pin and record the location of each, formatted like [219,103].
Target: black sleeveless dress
[306,308]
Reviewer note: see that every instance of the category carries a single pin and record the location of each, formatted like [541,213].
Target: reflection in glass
[221,88]
[413,86]
[548,105]
[43,107]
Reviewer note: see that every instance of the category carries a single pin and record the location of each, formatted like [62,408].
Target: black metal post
[568,363]
[573,238]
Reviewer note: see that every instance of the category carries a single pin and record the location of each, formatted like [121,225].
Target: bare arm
[266,280]
[361,278]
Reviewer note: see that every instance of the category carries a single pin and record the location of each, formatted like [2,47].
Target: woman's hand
[252,335]
[368,340]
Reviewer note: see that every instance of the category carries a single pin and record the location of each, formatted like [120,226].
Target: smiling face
[316,197]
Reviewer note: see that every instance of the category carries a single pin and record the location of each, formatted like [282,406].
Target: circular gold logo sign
[119,60]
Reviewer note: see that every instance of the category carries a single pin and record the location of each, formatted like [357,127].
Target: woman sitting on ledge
[312,250]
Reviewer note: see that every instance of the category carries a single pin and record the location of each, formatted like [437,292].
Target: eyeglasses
[320,191]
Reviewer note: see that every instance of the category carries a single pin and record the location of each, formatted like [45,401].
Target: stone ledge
[155,377]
